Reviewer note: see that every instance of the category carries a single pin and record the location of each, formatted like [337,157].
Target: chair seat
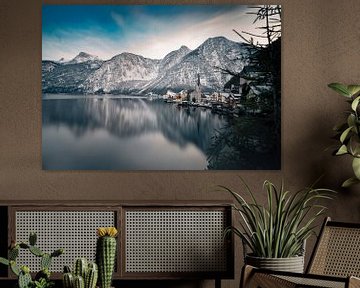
[335,262]
[269,279]
[315,282]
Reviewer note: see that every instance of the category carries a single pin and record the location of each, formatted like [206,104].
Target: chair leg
[251,279]
[354,282]
[246,274]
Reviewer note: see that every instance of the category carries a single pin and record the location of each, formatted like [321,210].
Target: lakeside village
[229,102]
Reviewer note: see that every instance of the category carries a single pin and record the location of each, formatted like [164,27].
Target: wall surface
[321,40]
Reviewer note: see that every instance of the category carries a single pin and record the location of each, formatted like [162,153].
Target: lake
[107,132]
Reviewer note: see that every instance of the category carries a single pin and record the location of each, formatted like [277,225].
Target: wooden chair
[334,263]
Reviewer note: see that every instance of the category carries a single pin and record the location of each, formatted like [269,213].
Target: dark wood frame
[119,208]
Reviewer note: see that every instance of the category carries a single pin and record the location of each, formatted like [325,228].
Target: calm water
[100,132]
[132,133]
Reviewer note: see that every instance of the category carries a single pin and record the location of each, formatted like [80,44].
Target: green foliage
[80,268]
[279,229]
[42,278]
[348,132]
[4,261]
[32,239]
[85,275]
[105,258]
[24,279]
[36,251]
[42,283]
[79,282]
[45,261]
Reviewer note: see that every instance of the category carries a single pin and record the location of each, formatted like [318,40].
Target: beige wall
[321,44]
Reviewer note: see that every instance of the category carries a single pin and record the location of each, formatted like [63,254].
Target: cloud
[119,19]
[150,36]
[190,30]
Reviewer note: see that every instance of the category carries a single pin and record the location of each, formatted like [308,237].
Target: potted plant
[42,278]
[348,132]
[276,233]
[84,274]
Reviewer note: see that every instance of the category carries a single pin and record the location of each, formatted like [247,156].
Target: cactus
[36,251]
[79,282]
[44,273]
[91,276]
[68,280]
[32,239]
[42,278]
[80,267]
[105,255]
[24,280]
[90,272]
[13,253]
[4,261]
[45,261]
[14,268]
[67,269]
[57,252]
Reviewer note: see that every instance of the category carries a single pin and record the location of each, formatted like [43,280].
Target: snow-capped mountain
[206,60]
[65,78]
[135,74]
[83,57]
[121,73]
[173,58]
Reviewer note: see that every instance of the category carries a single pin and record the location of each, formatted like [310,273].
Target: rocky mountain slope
[133,74]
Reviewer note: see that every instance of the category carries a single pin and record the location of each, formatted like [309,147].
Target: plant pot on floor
[290,264]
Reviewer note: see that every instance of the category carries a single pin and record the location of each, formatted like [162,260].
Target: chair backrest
[337,251]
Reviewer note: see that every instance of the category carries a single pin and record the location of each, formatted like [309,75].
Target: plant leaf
[355,103]
[342,150]
[345,134]
[340,88]
[356,167]
[349,182]
[351,120]
[353,89]
[4,261]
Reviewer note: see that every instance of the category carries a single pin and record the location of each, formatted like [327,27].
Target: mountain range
[129,73]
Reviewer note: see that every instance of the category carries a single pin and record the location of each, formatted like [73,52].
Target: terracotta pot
[291,264]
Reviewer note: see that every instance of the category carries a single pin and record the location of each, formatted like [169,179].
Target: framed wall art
[161,87]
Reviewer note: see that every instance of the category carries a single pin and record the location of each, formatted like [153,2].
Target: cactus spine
[23,273]
[84,275]
[106,254]
[79,282]
[68,280]
[91,276]
[80,267]
[24,278]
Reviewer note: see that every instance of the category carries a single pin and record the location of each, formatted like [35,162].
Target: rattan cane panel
[75,231]
[313,282]
[175,241]
[338,253]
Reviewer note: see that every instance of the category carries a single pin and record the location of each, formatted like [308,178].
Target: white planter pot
[291,264]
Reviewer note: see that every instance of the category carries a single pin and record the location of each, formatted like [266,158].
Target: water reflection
[132,133]
[181,136]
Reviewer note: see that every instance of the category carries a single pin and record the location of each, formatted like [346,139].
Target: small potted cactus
[106,254]
[85,275]
[42,278]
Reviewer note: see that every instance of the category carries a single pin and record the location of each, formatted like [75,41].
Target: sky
[151,31]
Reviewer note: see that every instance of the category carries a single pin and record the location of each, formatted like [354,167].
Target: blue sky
[151,31]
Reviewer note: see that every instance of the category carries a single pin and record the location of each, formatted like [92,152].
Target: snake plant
[279,228]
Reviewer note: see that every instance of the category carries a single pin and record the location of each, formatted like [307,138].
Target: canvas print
[161,87]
